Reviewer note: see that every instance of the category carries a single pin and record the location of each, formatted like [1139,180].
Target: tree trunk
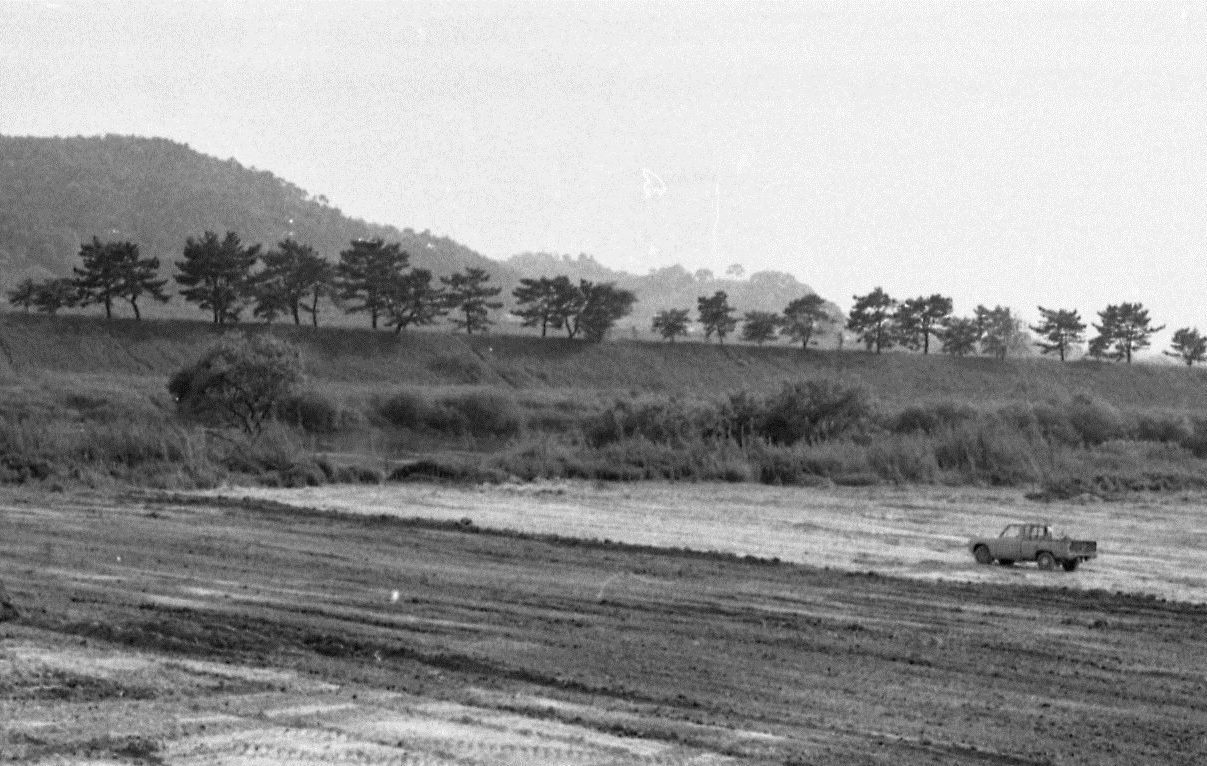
[134,305]
[297,320]
[108,306]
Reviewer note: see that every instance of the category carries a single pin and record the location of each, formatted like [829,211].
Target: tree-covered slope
[58,192]
[674,286]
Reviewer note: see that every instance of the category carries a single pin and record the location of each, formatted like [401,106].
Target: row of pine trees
[882,322]
[224,277]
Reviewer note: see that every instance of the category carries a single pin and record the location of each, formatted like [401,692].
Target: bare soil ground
[201,630]
[1155,544]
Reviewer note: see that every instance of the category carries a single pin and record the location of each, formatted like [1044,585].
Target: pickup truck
[1032,542]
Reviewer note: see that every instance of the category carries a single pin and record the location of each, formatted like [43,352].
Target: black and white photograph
[603,382]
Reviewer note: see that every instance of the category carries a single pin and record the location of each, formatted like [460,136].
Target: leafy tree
[1188,345]
[603,305]
[23,294]
[293,273]
[872,319]
[538,302]
[760,326]
[916,319]
[54,294]
[960,336]
[1001,331]
[365,273]
[671,323]
[1125,329]
[803,318]
[716,315]
[216,274]
[238,381]
[469,296]
[412,299]
[1062,328]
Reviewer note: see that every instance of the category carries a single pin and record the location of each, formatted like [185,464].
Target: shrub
[417,411]
[670,421]
[238,381]
[311,411]
[930,418]
[1164,427]
[484,413]
[1095,422]
[815,411]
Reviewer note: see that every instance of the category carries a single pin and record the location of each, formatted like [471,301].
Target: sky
[1018,153]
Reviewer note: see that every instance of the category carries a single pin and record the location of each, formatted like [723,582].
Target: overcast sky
[1013,153]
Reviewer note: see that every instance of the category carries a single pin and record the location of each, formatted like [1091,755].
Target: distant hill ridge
[56,193]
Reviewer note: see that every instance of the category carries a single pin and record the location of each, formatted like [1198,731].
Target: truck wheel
[1046,561]
[982,555]
[1070,565]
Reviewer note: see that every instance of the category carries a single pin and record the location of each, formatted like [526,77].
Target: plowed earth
[198,631]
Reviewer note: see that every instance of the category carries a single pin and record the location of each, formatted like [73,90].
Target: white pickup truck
[1032,542]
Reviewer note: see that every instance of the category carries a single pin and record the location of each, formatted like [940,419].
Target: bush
[311,411]
[1164,427]
[930,418]
[484,413]
[815,411]
[238,381]
[1095,422]
[670,421]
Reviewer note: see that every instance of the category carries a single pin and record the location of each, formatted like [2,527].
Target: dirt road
[201,631]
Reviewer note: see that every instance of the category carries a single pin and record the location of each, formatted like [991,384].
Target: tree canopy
[871,319]
[216,274]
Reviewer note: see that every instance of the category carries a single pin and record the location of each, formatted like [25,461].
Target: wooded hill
[58,193]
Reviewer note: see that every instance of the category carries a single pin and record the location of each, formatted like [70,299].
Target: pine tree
[102,275]
[1189,345]
[536,302]
[365,273]
[412,299]
[54,294]
[1062,328]
[960,336]
[216,274]
[872,319]
[292,273]
[1125,329]
[24,294]
[916,319]
[469,296]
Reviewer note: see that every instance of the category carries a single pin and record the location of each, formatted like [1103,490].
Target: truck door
[1010,543]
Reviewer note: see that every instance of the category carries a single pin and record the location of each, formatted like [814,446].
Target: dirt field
[196,631]
[1156,545]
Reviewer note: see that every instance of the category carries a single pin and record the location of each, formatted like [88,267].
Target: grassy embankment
[85,400]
